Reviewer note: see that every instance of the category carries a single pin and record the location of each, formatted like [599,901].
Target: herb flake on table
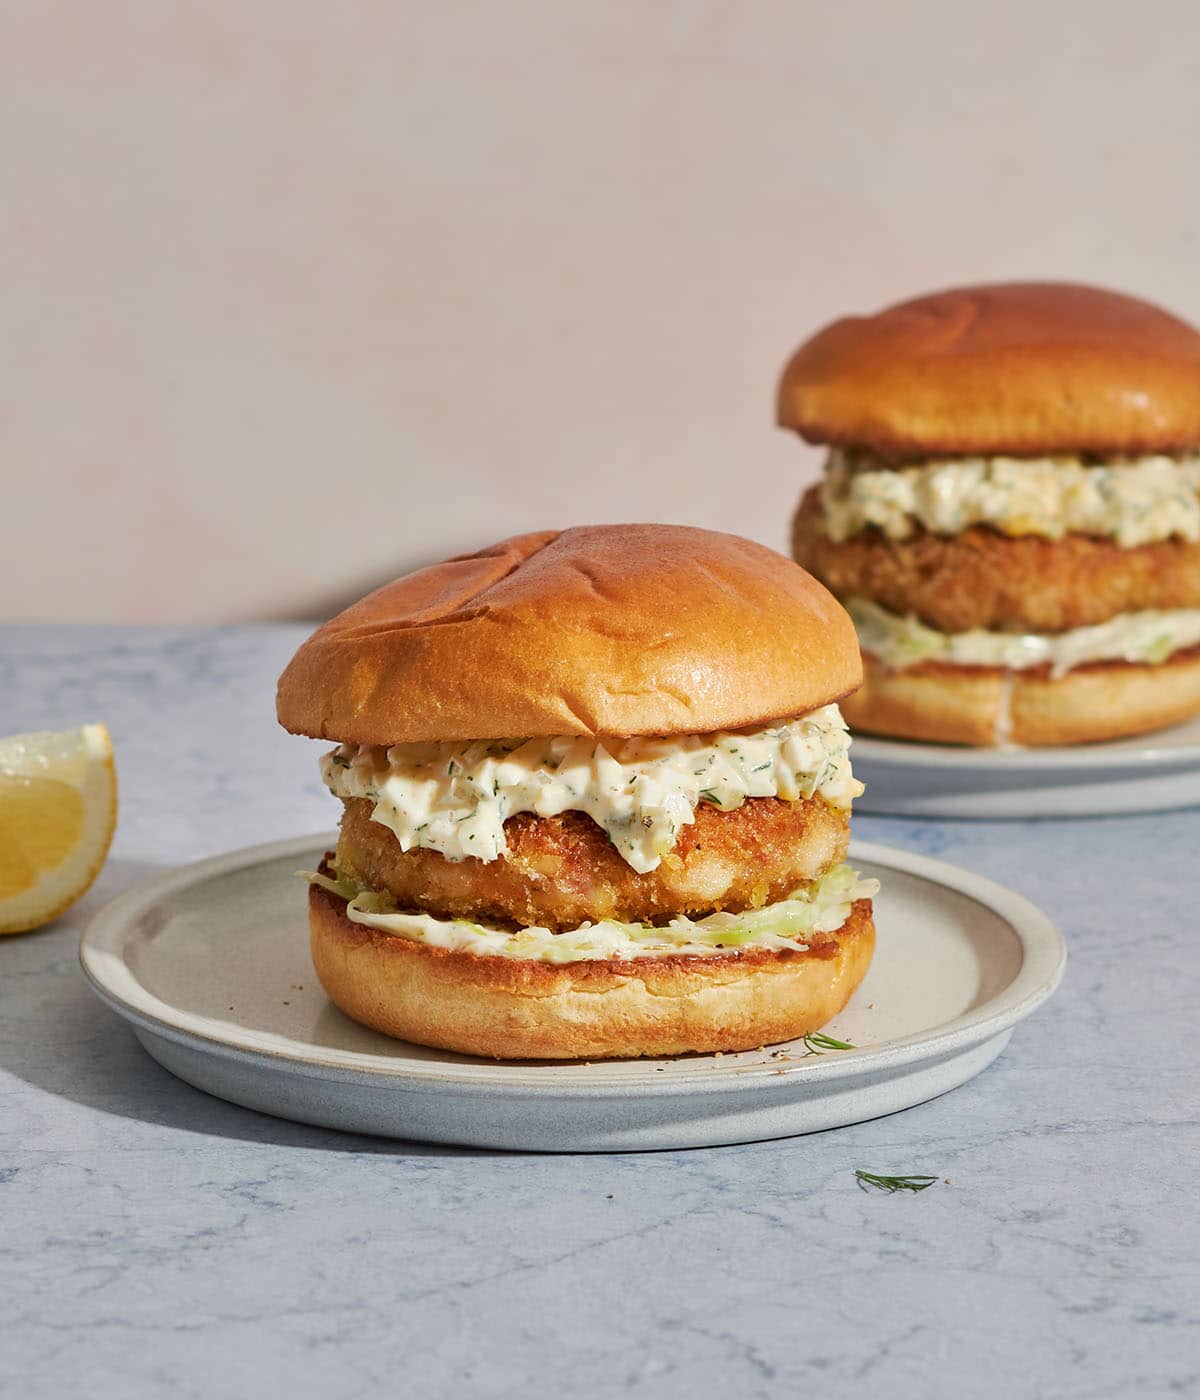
[869,1181]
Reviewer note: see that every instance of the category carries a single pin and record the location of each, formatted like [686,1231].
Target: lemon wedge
[58,812]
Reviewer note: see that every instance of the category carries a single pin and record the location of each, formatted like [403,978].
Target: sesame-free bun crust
[508,1009]
[984,706]
[601,630]
[1021,368]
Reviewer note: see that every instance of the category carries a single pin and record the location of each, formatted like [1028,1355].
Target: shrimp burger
[596,798]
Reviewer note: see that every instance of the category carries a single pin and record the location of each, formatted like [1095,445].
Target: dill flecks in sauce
[1134,501]
[455,798]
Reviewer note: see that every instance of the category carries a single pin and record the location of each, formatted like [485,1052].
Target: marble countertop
[157,1242]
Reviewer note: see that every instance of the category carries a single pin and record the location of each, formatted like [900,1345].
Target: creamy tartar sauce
[1146,637]
[455,798]
[821,908]
[1133,501]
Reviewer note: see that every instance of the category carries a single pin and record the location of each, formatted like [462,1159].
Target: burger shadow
[76,1048]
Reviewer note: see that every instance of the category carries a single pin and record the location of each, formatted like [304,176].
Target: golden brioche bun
[983,706]
[526,1010]
[1020,368]
[601,630]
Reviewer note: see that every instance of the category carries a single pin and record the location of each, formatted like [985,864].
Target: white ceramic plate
[210,964]
[1148,773]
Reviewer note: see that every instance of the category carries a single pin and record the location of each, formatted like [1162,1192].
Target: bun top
[1018,368]
[602,630]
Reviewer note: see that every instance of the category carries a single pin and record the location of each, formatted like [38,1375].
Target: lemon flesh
[58,808]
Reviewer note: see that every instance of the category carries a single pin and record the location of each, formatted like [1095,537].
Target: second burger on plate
[596,796]
[1010,511]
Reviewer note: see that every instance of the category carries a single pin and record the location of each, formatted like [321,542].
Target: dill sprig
[817,1042]
[868,1181]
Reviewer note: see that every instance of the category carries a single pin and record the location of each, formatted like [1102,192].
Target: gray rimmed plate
[210,966]
[1146,773]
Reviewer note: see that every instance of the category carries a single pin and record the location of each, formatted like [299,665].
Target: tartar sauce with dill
[1136,501]
[455,798]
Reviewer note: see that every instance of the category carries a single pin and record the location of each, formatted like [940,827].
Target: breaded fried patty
[561,871]
[981,578]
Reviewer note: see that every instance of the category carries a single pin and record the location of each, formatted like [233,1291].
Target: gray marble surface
[154,1241]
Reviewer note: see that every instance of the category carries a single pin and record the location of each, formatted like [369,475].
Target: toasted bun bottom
[519,1010]
[974,705]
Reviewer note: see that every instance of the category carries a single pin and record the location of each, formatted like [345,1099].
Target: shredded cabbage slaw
[821,907]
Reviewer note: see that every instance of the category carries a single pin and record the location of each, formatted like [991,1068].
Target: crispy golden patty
[981,578]
[561,871]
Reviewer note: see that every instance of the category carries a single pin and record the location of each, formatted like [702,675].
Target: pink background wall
[300,294]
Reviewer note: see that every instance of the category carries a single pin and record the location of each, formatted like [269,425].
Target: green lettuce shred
[820,907]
